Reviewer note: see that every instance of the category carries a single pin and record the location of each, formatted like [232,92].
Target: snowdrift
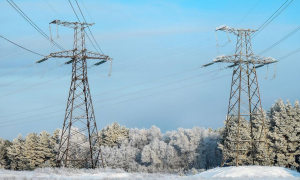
[253,172]
[224,173]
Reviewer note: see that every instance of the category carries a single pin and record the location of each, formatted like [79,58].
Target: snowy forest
[149,150]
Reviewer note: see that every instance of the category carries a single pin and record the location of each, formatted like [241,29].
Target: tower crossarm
[76,54]
[63,54]
[71,24]
[236,58]
[233,30]
[95,55]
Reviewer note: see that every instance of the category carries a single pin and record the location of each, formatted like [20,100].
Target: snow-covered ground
[239,173]
[249,172]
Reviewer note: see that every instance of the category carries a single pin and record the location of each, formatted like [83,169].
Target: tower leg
[245,141]
[79,143]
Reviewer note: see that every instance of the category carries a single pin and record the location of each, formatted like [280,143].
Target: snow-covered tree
[210,155]
[4,160]
[187,143]
[78,146]
[45,150]
[111,134]
[229,138]
[139,138]
[31,156]
[284,134]
[16,154]
[120,157]
[160,155]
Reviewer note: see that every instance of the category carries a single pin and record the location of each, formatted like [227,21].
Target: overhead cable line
[87,11]
[36,85]
[238,24]
[124,95]
[21,46]
[272,14]
[23,67]
[33,24]
[281,40]
[267,22]
[107,92]
[88,26]
[280,59]
[27,77]
[7,84]
[130,99]
[248,12]
[265,25]
[289,54]
[20,39]
[126,87]
[53,9]
[84,29]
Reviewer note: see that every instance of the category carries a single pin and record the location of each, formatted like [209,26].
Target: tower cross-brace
[79,121]
[245,131]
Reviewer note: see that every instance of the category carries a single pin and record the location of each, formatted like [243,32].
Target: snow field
[224,173]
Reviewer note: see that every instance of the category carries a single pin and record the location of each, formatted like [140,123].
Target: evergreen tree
[45,151]
[54,142]
[4,160]
[209,155]
[228,143]
[284,134]
[111,134]
[187,143]
[16,154]
[31,155]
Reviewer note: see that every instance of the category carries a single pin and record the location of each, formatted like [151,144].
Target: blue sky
[148,40]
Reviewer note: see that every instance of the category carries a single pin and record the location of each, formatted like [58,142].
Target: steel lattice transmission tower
[79,127]
[245,140]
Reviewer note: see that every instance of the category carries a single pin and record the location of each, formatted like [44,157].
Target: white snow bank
[247,172]
[224,173]
[76,174]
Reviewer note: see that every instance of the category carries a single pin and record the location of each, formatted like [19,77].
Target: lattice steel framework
[80,146]
[246,136]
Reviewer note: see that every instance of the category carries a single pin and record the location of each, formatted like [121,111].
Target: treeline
[283,136]
[134,150]
[148,150]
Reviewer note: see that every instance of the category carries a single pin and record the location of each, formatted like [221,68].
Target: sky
[156,46]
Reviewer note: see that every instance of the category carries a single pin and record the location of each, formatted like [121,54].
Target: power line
[88,26]
[273,14]
[20,39]
[289,54]
[261,28]
[159,51]
[22,47]
[126,87]
[39,84]
[283,57]
[267,22]
[281,40]
[130,99]
[7,84]
[152,80]
[33,24]
[18,80]
[84,29]
[121,96]
[87,11]
[23,67]
[248,12]
[53,9]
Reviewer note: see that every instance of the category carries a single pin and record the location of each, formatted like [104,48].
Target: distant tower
[79,111]
[246,138]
